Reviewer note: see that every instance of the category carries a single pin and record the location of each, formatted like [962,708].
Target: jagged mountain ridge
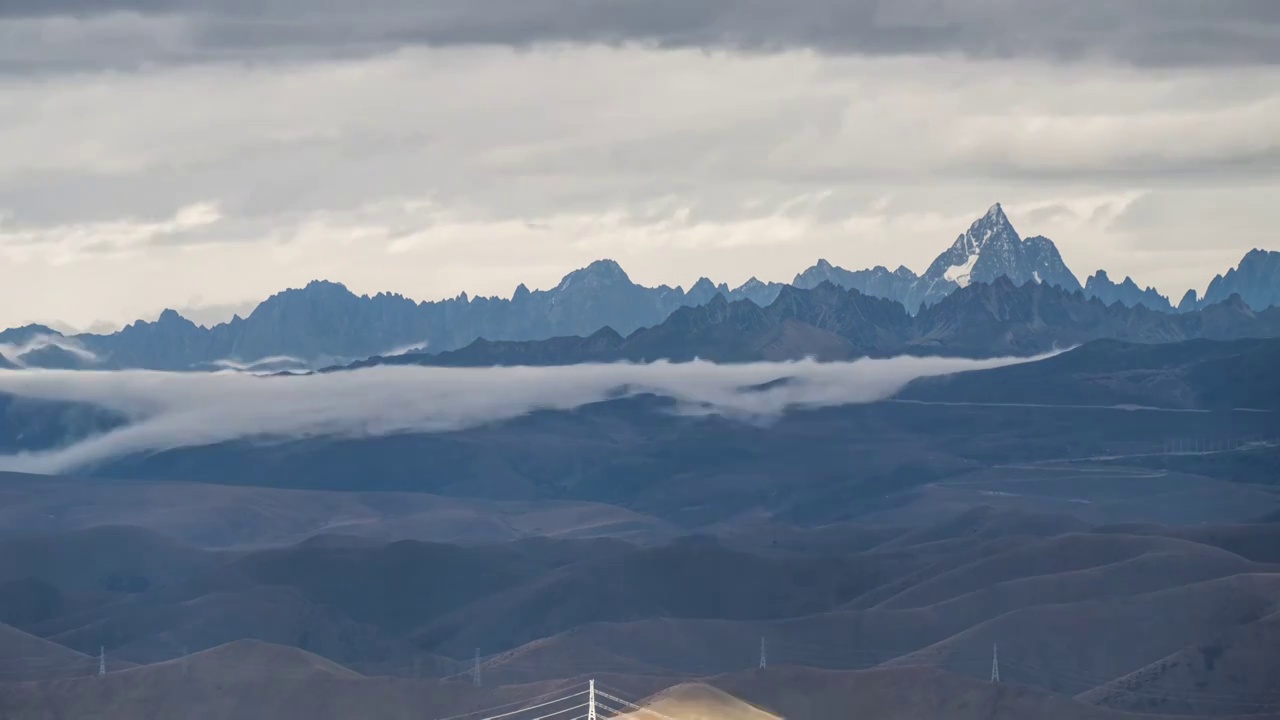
[1101,286]
[879,281]
[826,322]
[1256,280]
[830,323]
[324,324]
[991,248]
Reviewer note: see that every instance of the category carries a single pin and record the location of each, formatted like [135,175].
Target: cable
[608,708]
[558,712]
[520,702]
[539,705]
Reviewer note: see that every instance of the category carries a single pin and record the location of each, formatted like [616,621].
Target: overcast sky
[174,153]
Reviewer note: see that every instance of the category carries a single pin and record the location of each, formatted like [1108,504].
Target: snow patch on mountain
[961,274]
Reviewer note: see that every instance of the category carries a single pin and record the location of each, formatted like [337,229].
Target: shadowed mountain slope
[1198,374]
[830,323]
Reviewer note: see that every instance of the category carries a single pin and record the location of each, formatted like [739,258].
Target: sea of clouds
[15,352]
[173,410]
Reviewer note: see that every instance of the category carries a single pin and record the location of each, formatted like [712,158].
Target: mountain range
[324,324]
[1127,293]
[830,323]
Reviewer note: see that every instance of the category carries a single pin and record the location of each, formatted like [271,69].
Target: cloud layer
[16,352]
[170,410]
[1150,32]
[175,153]
[220,183]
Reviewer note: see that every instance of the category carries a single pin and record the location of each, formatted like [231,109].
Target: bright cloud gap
[175,410]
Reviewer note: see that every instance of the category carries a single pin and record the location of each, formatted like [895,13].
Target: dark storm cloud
[1144,32]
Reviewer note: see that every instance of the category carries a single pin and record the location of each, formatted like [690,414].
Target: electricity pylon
[995,663]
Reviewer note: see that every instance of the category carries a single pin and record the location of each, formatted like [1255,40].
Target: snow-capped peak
[963,256]
[988,250]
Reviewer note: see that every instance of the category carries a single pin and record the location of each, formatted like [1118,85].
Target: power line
[608,708]
[541,705]
[521,702]
[558,712]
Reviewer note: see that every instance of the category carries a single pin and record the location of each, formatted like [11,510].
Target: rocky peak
[1256,280]
[597,274]
[169,317]
[1190,301]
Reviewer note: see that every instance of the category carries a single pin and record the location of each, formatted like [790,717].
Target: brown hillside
[247,681]
[27,657]
[1041,558]
[902,694]
[227,516]
[689,579]
[1075,647]
[1235,673]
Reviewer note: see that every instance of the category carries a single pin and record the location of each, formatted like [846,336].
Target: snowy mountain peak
[991,230]
[994,224]
[991,249]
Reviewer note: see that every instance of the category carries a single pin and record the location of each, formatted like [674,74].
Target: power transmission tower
[591,700]
[102,660]
[995,663]
[764,663]
[475,673]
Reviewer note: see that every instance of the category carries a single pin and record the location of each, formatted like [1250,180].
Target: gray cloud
[170,410]
[436,170]
[1145,32]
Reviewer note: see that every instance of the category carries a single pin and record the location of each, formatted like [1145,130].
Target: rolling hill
[1192,375]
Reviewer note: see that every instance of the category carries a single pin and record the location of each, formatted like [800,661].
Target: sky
[203,155]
